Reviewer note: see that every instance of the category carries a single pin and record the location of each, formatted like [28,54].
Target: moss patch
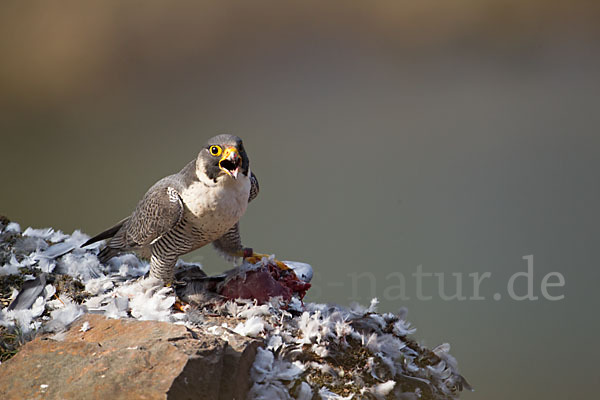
[9,344]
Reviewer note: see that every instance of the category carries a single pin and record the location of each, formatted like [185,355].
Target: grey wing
[230,244]
[156,214]
[254,188]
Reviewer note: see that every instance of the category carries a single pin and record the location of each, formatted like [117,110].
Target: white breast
[216,207]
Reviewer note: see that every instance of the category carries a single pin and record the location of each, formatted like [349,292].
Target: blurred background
[457,136]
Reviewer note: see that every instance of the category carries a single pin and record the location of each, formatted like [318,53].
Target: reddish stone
[129,359]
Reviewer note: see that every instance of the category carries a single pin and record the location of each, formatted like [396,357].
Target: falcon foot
[255,258]
[180,306]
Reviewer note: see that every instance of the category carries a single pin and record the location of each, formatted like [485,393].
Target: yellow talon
[256,257]
[180,305]
[281,265]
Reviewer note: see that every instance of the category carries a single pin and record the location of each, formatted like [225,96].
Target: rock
[124,359]
[162,348]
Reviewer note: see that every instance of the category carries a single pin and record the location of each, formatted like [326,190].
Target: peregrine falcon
[201,204]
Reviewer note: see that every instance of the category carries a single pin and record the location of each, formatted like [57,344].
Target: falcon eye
[215,150]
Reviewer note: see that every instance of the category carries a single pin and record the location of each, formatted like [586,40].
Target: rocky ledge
[73,328]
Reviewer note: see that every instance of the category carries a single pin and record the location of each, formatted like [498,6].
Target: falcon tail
[106,234]
[107,253]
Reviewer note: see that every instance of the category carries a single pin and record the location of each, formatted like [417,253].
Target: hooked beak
[230,162]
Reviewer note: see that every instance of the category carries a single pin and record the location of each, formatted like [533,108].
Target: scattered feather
[62,317]
[83,266]
[304,392]
[302,339]
[327,394]
[43,233]
[13,227]
[85,327]
[254,311]
[403,328]
[117,308]
[10,268]
[383,389]
[152,302]
[24,320]
[30,291]
[252,327]
[274,343]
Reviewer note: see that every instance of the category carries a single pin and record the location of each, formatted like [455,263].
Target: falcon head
[224,155]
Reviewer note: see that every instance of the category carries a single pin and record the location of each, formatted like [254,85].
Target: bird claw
[180,306]
[173,283]
[257,257]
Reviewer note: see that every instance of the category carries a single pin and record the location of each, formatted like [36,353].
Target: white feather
[43,233]
[326,394]
[253,327]
[85,327]
[403,328]
[304,392]
[10,268]
[13,227]
[383,389]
